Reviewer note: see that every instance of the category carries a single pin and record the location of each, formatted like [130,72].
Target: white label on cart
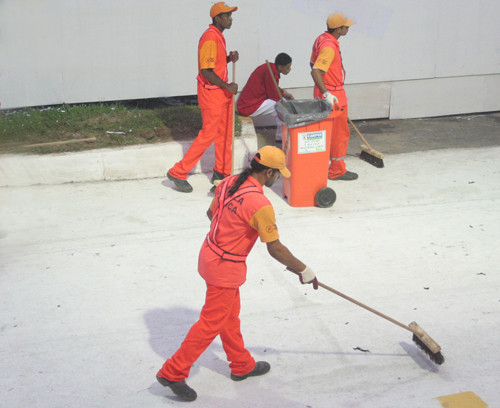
[312,142]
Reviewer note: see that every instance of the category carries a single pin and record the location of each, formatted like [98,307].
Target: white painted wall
[403,58]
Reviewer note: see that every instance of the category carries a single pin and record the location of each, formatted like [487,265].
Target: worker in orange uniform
[328,74]
[239,214]
[215,98]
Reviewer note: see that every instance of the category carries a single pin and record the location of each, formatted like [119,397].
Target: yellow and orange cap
[221,7]
[338,20]
[274,158]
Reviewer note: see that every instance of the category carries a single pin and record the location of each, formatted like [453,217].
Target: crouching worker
[259,96]
[239,214]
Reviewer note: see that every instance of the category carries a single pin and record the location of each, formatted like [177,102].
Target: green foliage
[111,124]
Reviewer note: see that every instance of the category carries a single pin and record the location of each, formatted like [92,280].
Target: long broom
[217,182]
[368,154]
[420,337]
[282,98]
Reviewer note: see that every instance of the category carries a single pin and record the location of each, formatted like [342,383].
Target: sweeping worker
[215,98]
[259,96]
[328,74]
[239,214]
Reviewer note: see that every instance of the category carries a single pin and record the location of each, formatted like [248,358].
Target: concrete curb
[127,163]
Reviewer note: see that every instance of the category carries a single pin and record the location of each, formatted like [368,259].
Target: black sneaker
[182,185]
[179,388]
[216,176]
[261,368]
[347,176]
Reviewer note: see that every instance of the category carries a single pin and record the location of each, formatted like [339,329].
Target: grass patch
[110,124]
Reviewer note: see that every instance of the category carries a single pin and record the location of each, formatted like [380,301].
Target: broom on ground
[420,337]
[368,154]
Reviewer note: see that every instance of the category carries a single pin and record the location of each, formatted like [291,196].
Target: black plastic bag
[300,112]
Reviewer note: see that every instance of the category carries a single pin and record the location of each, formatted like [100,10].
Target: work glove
[308,276]
[331,99]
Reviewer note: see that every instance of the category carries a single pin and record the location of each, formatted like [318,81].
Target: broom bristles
[426,343]
[371,151]
[372,159]
[435,357]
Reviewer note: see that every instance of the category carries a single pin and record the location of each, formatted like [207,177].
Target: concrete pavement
[99,283]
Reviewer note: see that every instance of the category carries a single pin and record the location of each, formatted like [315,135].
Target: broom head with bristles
[426,343]
[371,156]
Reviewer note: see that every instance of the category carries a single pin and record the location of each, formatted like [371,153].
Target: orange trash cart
[307,132]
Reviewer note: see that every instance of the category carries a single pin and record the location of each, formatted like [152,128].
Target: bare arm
[214,79]
[283,255]
[317,76]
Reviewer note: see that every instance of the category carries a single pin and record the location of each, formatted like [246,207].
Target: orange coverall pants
[340,141]
[217,128]
[219,316]
[339,134]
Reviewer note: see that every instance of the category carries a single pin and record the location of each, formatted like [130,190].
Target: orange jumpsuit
[216,108]
[326,57]
[237,222]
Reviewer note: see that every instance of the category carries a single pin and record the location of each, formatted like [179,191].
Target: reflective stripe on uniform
[227,256]
[222,203]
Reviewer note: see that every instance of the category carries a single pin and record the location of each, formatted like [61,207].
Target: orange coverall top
[212,54]
[326,57]
[237,222]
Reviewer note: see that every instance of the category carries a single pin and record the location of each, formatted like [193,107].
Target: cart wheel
[325,197]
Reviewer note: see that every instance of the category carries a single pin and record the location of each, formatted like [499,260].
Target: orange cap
[274,158]
[338,20]
[221,7]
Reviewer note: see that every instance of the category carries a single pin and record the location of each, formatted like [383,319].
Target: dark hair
[331,30]
[282,59]
[255,167]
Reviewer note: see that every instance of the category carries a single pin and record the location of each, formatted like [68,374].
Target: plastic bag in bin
[300,112]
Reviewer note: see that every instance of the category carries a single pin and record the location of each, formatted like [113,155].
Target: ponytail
[240,180]
[255,166]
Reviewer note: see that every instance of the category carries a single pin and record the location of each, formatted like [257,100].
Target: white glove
[331,99]
[307,275]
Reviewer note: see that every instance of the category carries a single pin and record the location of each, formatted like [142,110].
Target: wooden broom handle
[276,84]
[234,113]
[359,133]
[350,299]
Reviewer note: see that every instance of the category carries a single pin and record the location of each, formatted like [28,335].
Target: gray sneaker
[347,176]
[182,185]
[216,176]
[179,388]
[261,368]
